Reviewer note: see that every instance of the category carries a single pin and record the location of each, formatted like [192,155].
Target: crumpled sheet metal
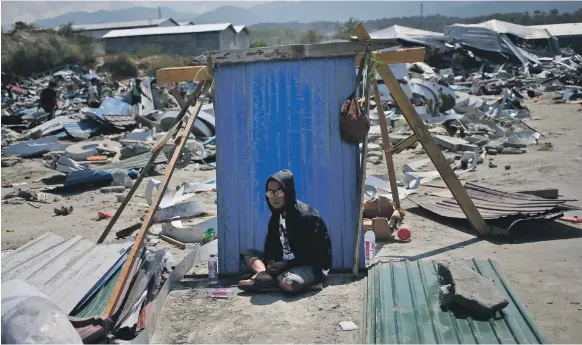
[112,106]
[120,121]
[496,205]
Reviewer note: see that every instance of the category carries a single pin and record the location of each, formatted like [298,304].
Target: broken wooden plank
[180,74]
[403,145]
[408,55]
[297,51]
[125,277]
[173,241]
[435,154]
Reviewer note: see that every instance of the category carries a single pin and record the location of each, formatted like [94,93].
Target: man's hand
[276,268]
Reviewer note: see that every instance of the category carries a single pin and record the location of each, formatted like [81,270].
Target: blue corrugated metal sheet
[401,305]
[113,106]
[284,115]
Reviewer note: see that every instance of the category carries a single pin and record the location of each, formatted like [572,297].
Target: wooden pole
[387,147]
[435,154]
[125,278]
[155,152]
[363,162]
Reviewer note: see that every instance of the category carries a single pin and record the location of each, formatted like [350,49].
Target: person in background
[136,94]
[93,99]
[297,252]
[48,99]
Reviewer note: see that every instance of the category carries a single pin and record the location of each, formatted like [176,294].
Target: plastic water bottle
[212,269]
[369,246]
[215,293]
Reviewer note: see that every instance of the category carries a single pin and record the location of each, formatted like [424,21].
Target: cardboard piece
[378,206]
[382,229]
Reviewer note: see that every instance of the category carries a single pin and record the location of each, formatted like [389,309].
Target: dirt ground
[542,261]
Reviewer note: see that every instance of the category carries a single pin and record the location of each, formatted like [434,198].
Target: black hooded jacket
[306,231]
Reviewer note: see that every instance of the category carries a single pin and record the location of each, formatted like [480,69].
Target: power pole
[159,13]
[421,11]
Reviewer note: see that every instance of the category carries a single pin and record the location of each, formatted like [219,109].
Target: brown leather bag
[354,123]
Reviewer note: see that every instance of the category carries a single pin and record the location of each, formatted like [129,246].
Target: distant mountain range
[313,11]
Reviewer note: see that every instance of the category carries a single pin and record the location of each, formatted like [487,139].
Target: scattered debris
[103,215]
[348,325]
[112,189]
[574,219]
[63,211]
[508,167]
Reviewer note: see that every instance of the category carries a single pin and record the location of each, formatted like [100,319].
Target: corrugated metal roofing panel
[402,305]
[495,204]
[66,270]
[399,31]
[82,129]
[284,115]
[566,29]
[168,30]
[113,106]
[501,27]
[120,25]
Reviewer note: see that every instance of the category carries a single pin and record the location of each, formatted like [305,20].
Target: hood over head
[285,178]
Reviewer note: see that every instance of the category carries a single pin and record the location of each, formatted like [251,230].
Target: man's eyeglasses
[271,193]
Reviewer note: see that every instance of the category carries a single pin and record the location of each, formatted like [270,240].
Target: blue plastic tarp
[88,177]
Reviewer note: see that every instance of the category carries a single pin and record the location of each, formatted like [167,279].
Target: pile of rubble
[484,115]
[86,143]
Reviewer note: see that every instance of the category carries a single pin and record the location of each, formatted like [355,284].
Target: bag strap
[360,75]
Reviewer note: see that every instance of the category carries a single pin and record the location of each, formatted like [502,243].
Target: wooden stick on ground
[387,146]
[155,152]
[125,278]
[363,162]
[435,154]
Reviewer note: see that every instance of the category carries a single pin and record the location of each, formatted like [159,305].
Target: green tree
[311,37]
[256,44]
[554,12]
[67,30]
[21,26]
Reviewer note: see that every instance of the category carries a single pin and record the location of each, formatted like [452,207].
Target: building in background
[243,39]
[186,23]
[188,40]
[569,34]
[98,30]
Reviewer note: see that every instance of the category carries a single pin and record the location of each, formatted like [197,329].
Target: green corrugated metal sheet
[401,306]
[97,304]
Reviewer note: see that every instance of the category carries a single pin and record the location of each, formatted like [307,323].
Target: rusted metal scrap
[506,207]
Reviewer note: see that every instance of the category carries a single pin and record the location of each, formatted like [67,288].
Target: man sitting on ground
[297,251]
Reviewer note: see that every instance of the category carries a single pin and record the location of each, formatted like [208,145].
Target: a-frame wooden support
[423,136]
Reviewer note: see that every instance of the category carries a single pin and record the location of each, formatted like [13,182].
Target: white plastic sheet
[30,317]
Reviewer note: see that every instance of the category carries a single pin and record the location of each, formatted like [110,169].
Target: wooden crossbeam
[180,74]
[423,135]
[199,73]
[407,55]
